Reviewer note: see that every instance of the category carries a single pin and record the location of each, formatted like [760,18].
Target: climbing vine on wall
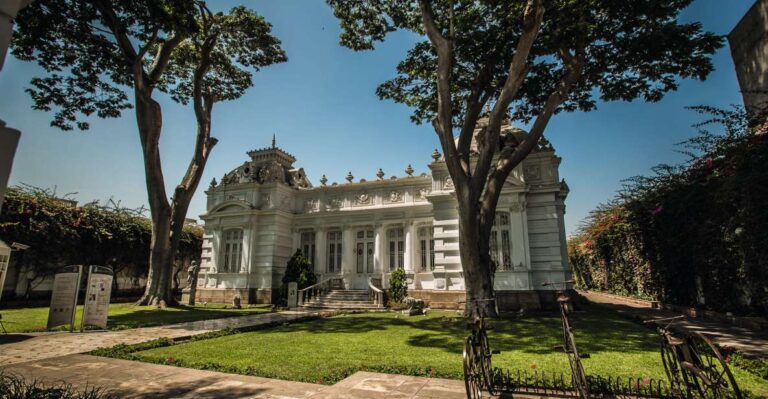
[694,234]
[60,233]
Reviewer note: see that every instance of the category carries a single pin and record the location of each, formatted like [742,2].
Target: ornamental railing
[376,293]
[316,290]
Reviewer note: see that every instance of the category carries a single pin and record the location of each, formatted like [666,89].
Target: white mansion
[265,209]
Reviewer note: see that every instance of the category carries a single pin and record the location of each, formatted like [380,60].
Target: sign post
[293,297]
[5,259]
[66,286]
[97,295]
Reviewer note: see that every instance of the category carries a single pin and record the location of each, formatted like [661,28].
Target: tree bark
[149,120]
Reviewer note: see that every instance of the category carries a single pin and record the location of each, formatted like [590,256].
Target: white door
[364,247]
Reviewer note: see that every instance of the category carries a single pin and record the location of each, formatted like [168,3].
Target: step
[369,307]
[321,302]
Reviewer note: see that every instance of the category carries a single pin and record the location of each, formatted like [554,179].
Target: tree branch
[510,157]
[518,68]
[152,41]
[118,30]
[163,56]
[443,123]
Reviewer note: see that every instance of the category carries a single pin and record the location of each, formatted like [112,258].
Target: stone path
[744,340]
[16,348]
[128,379]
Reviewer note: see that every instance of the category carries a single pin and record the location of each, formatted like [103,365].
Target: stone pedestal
[293,295]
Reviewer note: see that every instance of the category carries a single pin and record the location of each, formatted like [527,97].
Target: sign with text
[97,295]
[64,297]
[5,259]
[293,297]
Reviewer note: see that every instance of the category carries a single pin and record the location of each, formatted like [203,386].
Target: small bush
[299,270]
[398,286]
[754,366]
[15,387]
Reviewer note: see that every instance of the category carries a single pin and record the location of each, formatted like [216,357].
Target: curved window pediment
[231,206]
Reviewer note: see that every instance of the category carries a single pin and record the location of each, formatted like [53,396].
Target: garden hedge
[694,234]
[60,233]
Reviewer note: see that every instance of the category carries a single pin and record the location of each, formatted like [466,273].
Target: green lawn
[125,315]
[328,350]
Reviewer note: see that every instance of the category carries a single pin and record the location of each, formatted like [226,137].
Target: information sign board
[97,297]
[64,298]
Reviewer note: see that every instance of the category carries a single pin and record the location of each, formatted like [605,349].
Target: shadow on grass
[149,317]
[596,331]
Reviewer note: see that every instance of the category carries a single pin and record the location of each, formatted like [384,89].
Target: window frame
[501,241]
[335,251]
[308,245]
[426,248]
[396,248]
[232,250]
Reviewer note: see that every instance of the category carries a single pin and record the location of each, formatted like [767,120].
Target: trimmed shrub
[299,270]
[398,286]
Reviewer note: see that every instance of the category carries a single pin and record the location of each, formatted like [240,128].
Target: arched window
[232,251]
[396,248]
[426,248]
[501,245]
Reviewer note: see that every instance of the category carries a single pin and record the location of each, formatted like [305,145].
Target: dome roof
[508,133]
[268,165]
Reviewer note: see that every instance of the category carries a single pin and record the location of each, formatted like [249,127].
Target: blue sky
[323,108]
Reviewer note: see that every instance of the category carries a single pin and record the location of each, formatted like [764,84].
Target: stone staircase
[342,300]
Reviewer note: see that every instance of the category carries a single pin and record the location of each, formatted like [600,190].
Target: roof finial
[273,140]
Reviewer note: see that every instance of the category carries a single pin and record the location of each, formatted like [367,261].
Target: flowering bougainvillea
[694,234]
[59,233]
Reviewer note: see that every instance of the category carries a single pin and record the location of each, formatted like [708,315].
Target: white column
[296,243]
[245,250]
[321,246]
[378,248]
[409,247]
[348,251]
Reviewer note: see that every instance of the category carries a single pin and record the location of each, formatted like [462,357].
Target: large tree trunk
[149,119]
[475,257]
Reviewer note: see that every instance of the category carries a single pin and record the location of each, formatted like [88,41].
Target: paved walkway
[128,379]
[16,348]
[744,340]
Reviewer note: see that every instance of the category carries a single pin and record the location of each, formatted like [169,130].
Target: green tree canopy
[87,68]
[632,49]
[92,51]
[528,59]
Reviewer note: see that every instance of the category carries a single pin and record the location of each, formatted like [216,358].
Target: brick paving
[129,379]
[745,340]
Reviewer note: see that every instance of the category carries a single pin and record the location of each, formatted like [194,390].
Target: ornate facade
[265,209]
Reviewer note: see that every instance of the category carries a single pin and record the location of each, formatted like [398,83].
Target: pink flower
[657,210]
